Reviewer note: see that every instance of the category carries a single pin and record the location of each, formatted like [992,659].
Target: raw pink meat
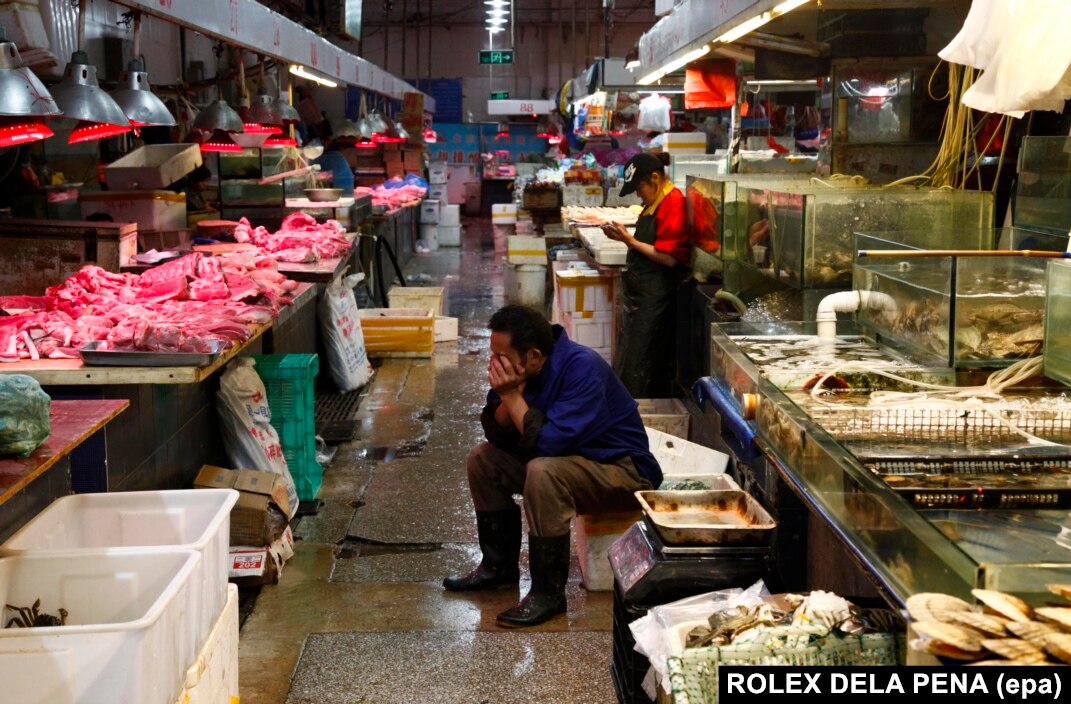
[163,290]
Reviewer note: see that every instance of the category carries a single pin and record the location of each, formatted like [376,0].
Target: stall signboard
[496,56]
[463,143]
[500,95]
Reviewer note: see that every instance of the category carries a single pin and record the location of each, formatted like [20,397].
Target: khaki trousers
[555,489]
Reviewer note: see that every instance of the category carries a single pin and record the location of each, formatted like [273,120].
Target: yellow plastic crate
[398,332]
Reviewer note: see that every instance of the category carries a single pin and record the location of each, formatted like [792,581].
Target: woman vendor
[657,261]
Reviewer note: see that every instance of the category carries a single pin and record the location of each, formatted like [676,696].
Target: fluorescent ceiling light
[746,28]
[497,3]
[498,13]
[674,65]
[497,20]
[633,63]
[299,70]
[495,30]
[788,6]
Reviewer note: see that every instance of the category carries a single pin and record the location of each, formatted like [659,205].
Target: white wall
[542,62]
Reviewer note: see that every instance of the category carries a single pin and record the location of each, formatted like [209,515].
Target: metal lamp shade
[402,132]
[141,106]
[21,93]
[365,128]
[288,115]
[264,110]
[80,97]
[218,116]
[377,123]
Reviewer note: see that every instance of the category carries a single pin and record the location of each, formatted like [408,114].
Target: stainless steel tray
[119,358]
[707,517]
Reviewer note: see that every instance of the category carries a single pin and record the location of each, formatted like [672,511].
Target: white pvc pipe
[848,302]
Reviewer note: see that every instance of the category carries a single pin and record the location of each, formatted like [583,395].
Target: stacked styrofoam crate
[143,579]
[585,305]
[450,226]
[430,211]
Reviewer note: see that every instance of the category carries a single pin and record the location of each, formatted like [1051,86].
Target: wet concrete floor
[359,614]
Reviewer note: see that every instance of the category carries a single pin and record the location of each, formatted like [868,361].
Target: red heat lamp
[384,139]
[90,131]
[365,145]
[277,140]
[430,137]
[260,128]
[20,130]
[220,141]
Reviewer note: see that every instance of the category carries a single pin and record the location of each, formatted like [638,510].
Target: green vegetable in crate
[24,421]
[31,617]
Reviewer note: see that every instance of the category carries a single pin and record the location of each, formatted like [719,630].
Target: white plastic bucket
[430,235]
[530,287]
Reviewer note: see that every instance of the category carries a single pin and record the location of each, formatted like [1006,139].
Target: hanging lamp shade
[218,116]
[378,123]
[288,114]
[81,98]
[365,128]
[264,110]
[402,132]
[21,93]
[280,140]
[24,100]
[141,106]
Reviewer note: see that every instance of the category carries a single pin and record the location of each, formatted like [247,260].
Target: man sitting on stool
[562,431]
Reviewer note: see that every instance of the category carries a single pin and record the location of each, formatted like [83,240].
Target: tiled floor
[360,614]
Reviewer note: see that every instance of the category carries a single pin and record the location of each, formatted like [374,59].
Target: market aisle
[359,614]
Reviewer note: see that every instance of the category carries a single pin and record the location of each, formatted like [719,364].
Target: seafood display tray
[707,517]
[119,358]
[977,483]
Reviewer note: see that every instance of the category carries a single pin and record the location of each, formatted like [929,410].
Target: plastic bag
[24,419]
[245,424]
[347,358]
[658,633]
[654,114]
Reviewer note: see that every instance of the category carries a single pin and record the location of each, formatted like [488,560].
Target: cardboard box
[250,566]
[263,509]
[413,103]
[581,195]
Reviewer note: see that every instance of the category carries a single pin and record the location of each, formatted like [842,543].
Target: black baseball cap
[639,168]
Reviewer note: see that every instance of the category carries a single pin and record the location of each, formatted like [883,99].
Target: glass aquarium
[1043,200]
[803,237]
[959,311]
[1058,322]
[683,166]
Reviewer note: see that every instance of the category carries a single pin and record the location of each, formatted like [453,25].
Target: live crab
[31,617]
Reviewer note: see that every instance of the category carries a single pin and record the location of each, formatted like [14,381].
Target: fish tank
[684,166]
[1043,198]
[959,311]
[804,237]
[1058,322]
[851,461]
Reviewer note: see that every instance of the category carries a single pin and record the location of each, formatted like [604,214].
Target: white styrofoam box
[594,330]
[504,213]
[685,142]
[579,194]
[213,676]
[595,533]
[682,460]
[449,236]
[126,613]
[521,249]
[417,297]
[151,210]
[430,236]
[450,215]
[429,212]
[529,286]
[611,253]
[190,519]
[437,191]
[437,172]
[152,166]
[583,290]
[445,328]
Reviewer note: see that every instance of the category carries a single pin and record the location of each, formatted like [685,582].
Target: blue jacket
[577,406]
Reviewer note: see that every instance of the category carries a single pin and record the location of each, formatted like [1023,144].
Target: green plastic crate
[289,381]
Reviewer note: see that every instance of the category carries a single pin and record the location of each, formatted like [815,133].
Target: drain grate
[335,415]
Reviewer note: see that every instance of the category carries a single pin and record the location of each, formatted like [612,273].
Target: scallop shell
[958,637]
[1032,631]
[1059,615]
[1059,646]
[992,626]
[929,606]
[1014,649]
[1006,605]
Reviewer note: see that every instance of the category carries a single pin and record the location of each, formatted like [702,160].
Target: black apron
[644,357]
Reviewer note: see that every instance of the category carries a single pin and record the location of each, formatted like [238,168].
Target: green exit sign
[500,95]
[496,57]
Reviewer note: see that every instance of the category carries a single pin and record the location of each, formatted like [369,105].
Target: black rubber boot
[500,541]
[549,560]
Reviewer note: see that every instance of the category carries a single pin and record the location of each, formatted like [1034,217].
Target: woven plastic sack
[24,420]
[694,672]
[245,424]
[340,323]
